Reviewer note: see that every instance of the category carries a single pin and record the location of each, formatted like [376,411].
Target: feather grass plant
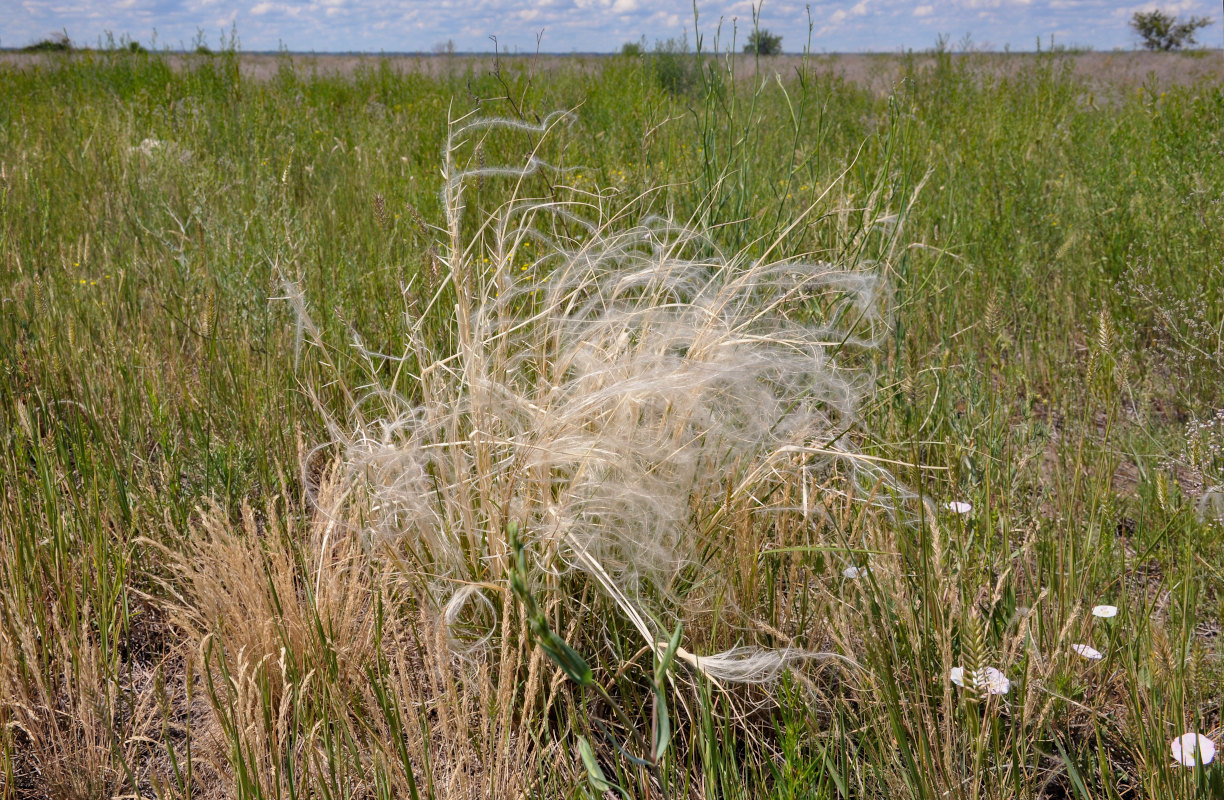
[641,370]
[618,402]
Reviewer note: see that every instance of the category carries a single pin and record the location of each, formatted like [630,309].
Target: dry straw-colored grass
[76,726]
[319,670]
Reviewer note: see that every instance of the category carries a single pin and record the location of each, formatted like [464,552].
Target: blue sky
[586,25]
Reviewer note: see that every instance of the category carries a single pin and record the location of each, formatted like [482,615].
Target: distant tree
[136,47]
[1161,31]
[634,49]
[763,43]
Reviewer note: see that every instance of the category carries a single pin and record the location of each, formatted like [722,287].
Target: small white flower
[1104,612]
[1090,653]
[992,681]
[957,507]
[1193,748]
[855,572]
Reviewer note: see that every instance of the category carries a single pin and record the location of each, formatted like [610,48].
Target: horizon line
[1057,50]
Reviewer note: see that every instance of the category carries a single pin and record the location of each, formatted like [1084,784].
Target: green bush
[673,65]
[634,49]
[60,43]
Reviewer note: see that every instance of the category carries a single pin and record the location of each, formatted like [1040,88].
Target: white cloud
[260,9]
[924,11]
[1176,7]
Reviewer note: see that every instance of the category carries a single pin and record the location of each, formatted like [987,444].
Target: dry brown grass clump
[318,669]
[75,725]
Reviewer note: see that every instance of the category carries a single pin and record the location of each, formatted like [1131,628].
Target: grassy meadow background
[1052,354]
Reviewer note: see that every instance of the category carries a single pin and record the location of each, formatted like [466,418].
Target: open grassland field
[634,427]
[878,71]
